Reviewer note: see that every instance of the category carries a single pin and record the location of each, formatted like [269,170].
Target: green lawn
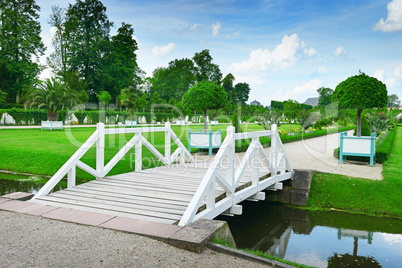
[380,198]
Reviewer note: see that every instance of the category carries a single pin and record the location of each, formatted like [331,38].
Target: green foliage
[325,95]
[205,95]
[53,96]
[2,96]
[128,99]
[393,100]
[236,121]
[205,69]
[271,118]
[227,84]
[104,97]
[20,44]
[306,107]
[80,115]
[360,92]
[242,90]
[378,123]
[86,32]
[276,105]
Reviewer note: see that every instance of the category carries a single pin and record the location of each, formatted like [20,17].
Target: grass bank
[354,195]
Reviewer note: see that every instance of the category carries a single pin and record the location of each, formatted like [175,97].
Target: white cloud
[395,78]
[163,51]
[282,56]
[136,40]
[234,35]
[339,50]
[393,23]
[306,90]
[310,51]
[215,28]
[195,27]
[379,74]
[322,69]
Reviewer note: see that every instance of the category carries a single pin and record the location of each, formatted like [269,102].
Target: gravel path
[317,154]
[33,241]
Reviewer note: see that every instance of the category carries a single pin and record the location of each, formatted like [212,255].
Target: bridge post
[100,148]
[274,136]
[138,152]
[230,175]
[167,143]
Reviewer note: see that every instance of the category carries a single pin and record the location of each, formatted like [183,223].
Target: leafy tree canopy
[242,91]
[20,44]
[205,69]
[325,96]
[54,96]
[393,100]
[203,96]
[361,92]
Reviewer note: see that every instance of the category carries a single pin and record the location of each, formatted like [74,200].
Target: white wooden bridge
[180,192]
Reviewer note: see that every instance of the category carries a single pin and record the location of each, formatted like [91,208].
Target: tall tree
[205,69]
[242,91]
[123,70]
[393,101]
[20,42]
[227,84]
[360,92]
[324,96]
[174,80]
[58,59]
[87,29]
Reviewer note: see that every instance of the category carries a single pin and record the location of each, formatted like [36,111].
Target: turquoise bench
[357,146]
[204,140]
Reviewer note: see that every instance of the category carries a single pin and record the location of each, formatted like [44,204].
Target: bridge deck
[159,194]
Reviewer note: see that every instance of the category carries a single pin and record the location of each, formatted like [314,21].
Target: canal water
[320,239]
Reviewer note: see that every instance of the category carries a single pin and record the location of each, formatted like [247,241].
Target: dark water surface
[320,239]
[10,183]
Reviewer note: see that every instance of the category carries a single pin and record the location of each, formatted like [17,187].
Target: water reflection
[318,239]
[11,186]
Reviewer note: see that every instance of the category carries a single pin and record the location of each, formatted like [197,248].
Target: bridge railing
[277,163]
[137,141]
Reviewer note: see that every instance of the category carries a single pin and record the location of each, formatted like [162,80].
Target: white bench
[357,146]
[204,140]
[131,123]
[214,122]
[51,125]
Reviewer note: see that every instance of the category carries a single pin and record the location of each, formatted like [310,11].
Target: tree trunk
[52,116]
[359,125]
[205,120]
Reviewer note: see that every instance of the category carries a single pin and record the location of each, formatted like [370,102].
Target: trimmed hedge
[381,154]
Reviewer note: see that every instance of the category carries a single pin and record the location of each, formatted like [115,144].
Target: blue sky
[283,49]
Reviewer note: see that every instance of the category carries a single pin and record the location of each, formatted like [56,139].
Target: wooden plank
[108,212]
[132,197]
[118,203]
[106,207]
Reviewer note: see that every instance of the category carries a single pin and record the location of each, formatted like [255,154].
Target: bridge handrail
[101,170]
[278,165]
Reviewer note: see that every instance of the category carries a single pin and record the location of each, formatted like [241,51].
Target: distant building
[255,102]
[312,101]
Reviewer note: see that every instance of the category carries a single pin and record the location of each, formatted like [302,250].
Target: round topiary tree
[360,92]
[203,96]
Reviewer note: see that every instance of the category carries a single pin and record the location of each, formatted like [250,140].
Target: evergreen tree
[20,42]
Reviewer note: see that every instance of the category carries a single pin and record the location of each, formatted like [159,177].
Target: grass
[225,243]
[379,198]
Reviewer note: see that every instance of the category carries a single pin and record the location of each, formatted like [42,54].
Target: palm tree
[54,96]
